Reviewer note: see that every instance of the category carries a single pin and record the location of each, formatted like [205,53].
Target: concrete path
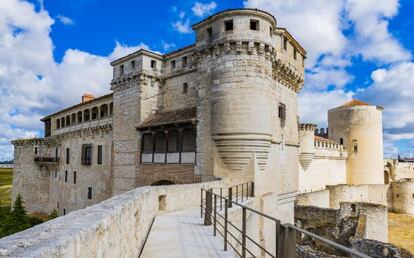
[182,234]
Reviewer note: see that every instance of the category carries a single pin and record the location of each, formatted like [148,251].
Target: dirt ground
[401,230]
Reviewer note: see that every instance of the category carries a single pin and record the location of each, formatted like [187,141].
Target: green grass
[6,181]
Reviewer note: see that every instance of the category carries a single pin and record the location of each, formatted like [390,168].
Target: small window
[285,43]
[153,64]
[341,141]
[86,154]
[99,154]
[147,143]
[57,205]
[254,24]
[56,174]
[173,64]
[185,88]
[295,54]
[355,145]
[74,177]
[133,64]
[353,207]
[209,32]
[90,193]
[121,70]
[228,25]
[66,176]
[413,195]
[35,150]
[282,113]
[271,31]
[398,195]
[64,211]
[67,155]
[185,60]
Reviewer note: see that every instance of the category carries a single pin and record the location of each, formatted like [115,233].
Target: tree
[18,219]
[53,215]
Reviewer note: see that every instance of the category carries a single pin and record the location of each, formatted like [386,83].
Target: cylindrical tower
[358,126]
[307,144]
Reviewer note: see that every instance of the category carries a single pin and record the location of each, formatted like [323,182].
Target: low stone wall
[116,227]
[375,249]
[401,196]
[317,198]
[376,194]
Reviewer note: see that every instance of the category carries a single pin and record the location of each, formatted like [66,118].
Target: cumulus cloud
[200,9]
[182,26]
[32,83]
[65,20]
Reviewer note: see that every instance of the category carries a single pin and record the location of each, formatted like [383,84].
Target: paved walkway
[182,234]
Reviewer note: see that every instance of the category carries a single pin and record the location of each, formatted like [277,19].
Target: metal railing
[215,209]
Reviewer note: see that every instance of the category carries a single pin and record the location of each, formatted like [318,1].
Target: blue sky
[52,51]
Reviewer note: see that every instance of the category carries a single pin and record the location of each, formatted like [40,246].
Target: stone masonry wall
[114,228]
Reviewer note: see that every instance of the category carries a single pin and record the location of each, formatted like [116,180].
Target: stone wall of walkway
[114,228]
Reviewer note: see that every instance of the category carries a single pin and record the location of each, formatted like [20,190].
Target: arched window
[73,122]
[189,140]
[103,111]
[111,109]
[341,141]
[355,145]
[86,115]
[94,114]
[68,120]
[62,122]
[79,115]
[57,123]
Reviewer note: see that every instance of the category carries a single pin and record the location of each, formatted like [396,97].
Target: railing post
[201,203]
[230,196]
[209,204]
[221,199]
[252,190]
[242,193]
[215,215]
[278,246]
[244,232]
[291,242]
[226,205]
[237,193]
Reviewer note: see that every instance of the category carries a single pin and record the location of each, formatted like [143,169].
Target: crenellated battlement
[307,127]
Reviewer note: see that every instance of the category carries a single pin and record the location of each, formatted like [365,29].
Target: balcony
[46,160]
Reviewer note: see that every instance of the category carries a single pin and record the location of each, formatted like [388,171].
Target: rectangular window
[121,70]
[282,114]
[153,64]
[90,193]
[185,59]
[295,54]
[67,155]
[159,142]
[228,25]
[172,141]
[86,154]
[254,24]
[285,43]
[173,64]
[66,176]
[189,140]
[147,143]
[99,154]
[209,32]
[133,64]
[185,88]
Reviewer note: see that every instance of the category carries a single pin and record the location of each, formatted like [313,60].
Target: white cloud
[200,9]
[167,46]
[65,20]
[182,26]
[32,83]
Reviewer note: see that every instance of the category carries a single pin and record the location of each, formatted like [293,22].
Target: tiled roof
[355,102]
[179,116]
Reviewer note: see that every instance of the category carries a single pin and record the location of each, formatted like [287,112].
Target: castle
[224,107]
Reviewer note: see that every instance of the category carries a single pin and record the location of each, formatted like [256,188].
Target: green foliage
[17,219]
[53,215]
[6,178]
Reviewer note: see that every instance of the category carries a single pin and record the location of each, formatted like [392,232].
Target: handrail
[285,244]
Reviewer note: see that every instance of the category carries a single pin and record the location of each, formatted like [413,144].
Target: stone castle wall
[401,196]
[113,228]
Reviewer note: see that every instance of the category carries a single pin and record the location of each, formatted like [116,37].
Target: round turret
[358,126]
[307,146]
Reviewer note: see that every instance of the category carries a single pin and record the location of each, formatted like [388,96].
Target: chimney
[87,97]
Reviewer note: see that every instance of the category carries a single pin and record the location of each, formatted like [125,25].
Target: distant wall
[317,198]
[357,193]
[114,228]
[401,196]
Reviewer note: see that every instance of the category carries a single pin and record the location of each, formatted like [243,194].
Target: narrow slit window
[74,177]
[121,70]
[99,154]
[66,176]
[67,155]
[185,88]
[90,193]
[285,43]
[282,113]
[209,32]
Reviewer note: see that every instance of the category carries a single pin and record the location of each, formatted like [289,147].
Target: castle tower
[307,147]
[358,126]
